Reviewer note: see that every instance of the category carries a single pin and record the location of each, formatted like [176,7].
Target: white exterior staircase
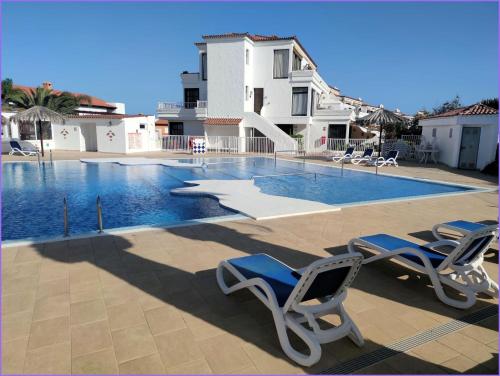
[281,140]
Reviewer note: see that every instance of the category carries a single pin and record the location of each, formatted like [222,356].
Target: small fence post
[50,152]
[65,215]
[99,214]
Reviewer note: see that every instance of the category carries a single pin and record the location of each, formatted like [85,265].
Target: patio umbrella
[382,118]
[37,114]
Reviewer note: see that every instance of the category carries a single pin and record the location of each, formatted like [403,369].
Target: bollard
[50,152]
[99,214]
[66,227]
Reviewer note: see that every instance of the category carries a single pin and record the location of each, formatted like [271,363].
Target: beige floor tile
[101,362]
[118,294]
[27,254]
[148,365]
[53,287]
[50,272]
[26,269]
[51,306]
[18,285]
[224,354]
[53,359]
[88,338]
[18,303]
[16,325]
[13,356]
[269,358]
[435,352]
[199,366]
[133,342]
[480,333]
[177,347]
[407,363]
[377,369]
[164,319]
[49,332]
[87,311]
[467,346]
[460,364]
[86,291]
[125,315]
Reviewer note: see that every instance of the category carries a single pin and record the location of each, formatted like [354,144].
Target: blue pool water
[32,195]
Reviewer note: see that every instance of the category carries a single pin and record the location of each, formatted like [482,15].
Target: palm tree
[47,106]
[8,90]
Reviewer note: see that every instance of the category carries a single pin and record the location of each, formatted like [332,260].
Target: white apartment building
[254,85]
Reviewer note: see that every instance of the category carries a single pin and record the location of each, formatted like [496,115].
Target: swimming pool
[32,194]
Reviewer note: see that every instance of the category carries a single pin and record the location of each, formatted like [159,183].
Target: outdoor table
[426,153]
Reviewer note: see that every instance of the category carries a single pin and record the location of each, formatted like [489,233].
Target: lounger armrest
[442,243]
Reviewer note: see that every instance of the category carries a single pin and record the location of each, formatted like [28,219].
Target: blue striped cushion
[466,225]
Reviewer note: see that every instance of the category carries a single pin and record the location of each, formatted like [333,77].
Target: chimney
[47,85]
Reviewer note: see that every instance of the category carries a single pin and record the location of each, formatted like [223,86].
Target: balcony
[185,110]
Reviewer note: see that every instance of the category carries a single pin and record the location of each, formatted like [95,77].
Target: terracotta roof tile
[95,102]
[222,121]
[161,122]
[475,109]
[104,116]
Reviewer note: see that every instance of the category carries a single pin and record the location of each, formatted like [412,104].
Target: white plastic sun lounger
[366,157]
[283,289]
[389,160]
[460,269]
[16,148]
[348,155]
[462,227]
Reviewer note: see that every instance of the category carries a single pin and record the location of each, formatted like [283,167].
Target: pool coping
[240,216]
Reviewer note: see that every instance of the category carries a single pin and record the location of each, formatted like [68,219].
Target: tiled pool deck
[147,302]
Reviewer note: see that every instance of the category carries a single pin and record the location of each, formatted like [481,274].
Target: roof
[258,38]
[222,121]
[475,109]
[161,122]
[94,101]
[104,116]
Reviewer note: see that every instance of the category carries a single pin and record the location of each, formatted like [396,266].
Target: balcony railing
[176,107]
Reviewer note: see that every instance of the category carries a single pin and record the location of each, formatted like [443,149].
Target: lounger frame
[294,314]
[436,230]
[346,157]
[469,279]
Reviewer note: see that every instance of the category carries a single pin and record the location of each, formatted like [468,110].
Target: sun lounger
[348,155]
[389,160]
[283,290]
[460,269]
[17,148]
[366,157]
[462,227]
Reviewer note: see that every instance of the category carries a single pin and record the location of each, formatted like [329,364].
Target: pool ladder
[100,227]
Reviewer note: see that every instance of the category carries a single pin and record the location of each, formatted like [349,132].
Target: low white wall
[67,136]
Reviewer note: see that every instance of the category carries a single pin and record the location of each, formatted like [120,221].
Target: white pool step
[133,161]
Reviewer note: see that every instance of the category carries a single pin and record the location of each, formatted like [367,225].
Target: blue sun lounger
[283,290]
[460,269]
[366,157]
[348,155]
[17,148]
[462,227]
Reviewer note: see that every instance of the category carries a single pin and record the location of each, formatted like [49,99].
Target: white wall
[226,71]
[222,130]
[67,136]
[193,128]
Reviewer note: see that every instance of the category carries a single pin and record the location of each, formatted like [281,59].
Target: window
[280,68]
[27,130]
[247,56]
[204,66]
[297,62]
[299,101]
[142,126]
[434,132]
[336,131]
[191,97]
[313,101]
[176,128]
[246,93]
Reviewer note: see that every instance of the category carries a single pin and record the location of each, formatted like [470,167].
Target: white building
[466,137]
[97,126]
[254,85]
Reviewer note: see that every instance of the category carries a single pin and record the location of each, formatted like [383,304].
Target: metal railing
[340,144]
[177,106]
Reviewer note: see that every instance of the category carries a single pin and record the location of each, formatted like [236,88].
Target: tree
[61,103]
[8,91]
[447,106]
[490,102]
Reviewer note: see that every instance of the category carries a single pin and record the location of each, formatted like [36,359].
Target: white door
[89,134]
[469,147]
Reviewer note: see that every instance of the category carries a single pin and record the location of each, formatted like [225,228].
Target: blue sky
[404,55]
